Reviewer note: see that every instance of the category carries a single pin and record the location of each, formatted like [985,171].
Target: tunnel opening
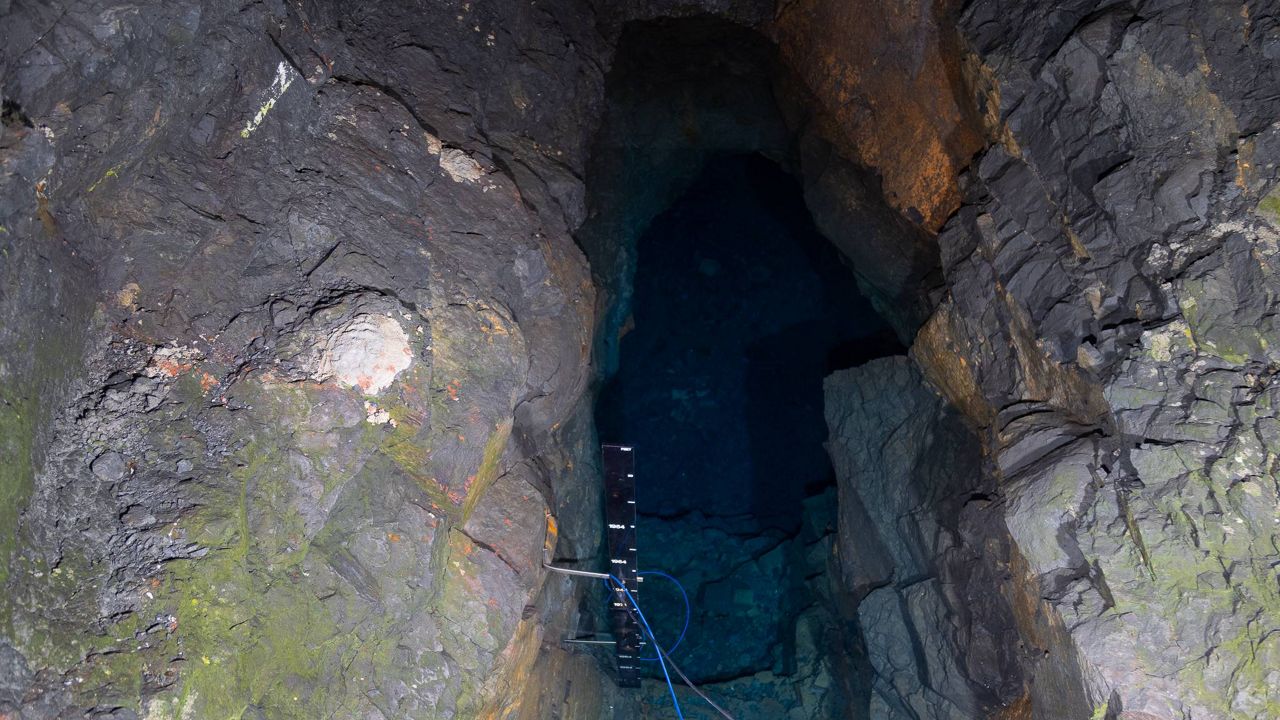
[739,309]
[757,298]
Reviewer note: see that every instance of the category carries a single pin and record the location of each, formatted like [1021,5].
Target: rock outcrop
[906,464]
[275,423]
[1108,321]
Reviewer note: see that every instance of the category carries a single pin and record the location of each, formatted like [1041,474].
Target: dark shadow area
[740,309]
[742,312]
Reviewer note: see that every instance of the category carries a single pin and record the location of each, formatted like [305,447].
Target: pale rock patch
[368,352]
[459,166]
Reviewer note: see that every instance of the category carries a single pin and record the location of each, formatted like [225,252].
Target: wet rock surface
[294,473]
[766,639]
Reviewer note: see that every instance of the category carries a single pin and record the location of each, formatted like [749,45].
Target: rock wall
[889,90]
[288,411]
[905,466]
[1108,322]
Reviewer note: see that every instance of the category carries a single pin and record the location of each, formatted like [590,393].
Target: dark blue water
[740,309]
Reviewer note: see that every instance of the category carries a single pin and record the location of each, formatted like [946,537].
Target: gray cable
[693,687]
[576,573]
[685,678]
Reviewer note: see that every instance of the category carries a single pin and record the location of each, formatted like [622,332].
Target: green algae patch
[50,604]
[1193,551]
[17,434]
[112,172]
[479,617]
[478,484]
[24,408]
[280,618]
[254,638]
[1208,330]
[1269,207]
[252,627]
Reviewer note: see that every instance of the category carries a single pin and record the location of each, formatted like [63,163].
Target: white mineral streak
[284,78]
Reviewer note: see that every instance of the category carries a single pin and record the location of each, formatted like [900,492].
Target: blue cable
[688,611]
[674,700]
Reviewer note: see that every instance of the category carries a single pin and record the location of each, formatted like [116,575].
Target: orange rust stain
[890,92]
[1020,709]
[42,209]
[940,348]
[207,382]
[172,368]
[393,537]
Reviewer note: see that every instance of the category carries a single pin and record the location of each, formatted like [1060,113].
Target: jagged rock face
[1109,320]
[905,462]
[280,459]
[295,342]
[925,563]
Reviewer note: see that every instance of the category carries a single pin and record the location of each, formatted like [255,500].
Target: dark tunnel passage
[740,309]
[793,470]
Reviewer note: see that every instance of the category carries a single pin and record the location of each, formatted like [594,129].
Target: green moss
[254,638]
[250,623]
[1269,207]
[24,401]
[1191,582]
[258,625]
[1213,329]
[472,628]
[17,435]
[488,470]
[113,172]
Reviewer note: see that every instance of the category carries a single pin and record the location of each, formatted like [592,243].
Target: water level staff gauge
[623,577]
[620,522]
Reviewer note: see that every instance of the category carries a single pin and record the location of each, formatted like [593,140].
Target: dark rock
[14,678]
[108,467]
[903,460]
